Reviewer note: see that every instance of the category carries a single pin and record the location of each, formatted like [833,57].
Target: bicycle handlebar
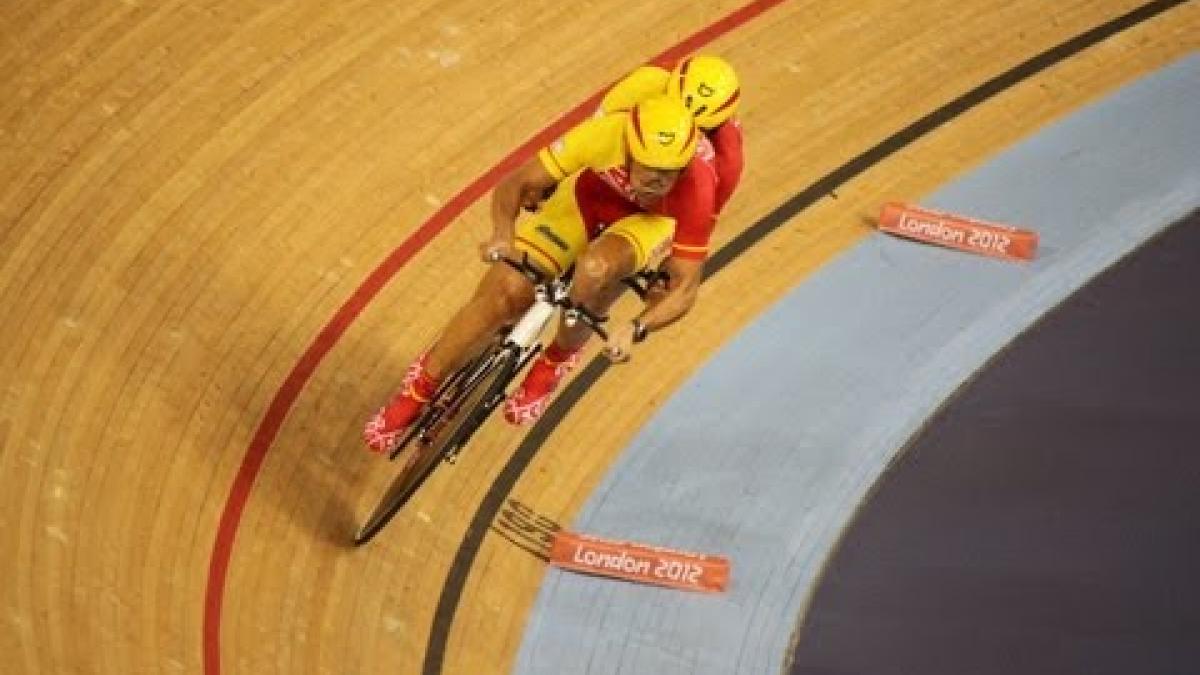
[580,313]
[573,312]
[639,283]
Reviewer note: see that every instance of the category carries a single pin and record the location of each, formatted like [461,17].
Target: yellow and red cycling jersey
[597,144]
[597,150]
[641,84]
[726,139]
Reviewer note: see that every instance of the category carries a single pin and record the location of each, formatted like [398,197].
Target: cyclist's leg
[555,235]
[629,245]
[551,238]
[501,296]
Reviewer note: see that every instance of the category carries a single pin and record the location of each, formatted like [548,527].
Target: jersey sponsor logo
[549,233]
[618,179]
[666,137]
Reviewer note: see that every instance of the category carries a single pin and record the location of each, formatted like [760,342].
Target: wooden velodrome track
[190,192]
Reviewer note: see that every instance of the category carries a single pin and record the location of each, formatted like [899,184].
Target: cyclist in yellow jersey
[611,213]
[637,86]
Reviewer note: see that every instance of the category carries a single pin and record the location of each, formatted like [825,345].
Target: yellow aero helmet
[661,133]
[708,86]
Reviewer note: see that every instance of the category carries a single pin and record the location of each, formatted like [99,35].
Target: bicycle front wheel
[481,391]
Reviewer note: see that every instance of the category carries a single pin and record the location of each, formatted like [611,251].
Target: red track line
[289,391]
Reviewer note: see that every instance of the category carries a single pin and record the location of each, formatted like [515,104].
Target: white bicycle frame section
[547,297]
[525,334]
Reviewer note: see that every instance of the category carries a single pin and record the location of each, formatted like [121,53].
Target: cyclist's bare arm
[663,308]
[666,308]
[521,187]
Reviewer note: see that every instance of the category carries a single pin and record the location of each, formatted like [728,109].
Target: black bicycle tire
[413,476]
[423,422]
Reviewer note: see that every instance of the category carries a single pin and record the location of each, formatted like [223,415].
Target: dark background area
[1047,520]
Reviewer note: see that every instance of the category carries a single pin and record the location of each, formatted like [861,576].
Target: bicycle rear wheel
[481,391]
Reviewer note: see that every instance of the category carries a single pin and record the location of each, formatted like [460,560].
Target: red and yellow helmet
[661,133]
[707,86]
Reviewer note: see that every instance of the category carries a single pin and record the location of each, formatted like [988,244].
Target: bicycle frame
[453,404]
[550,294]
[530,326]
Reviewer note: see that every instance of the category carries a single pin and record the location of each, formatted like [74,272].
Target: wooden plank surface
[190,191]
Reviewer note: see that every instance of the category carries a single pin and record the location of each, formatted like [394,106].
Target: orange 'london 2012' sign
[640,563]
[959,232]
